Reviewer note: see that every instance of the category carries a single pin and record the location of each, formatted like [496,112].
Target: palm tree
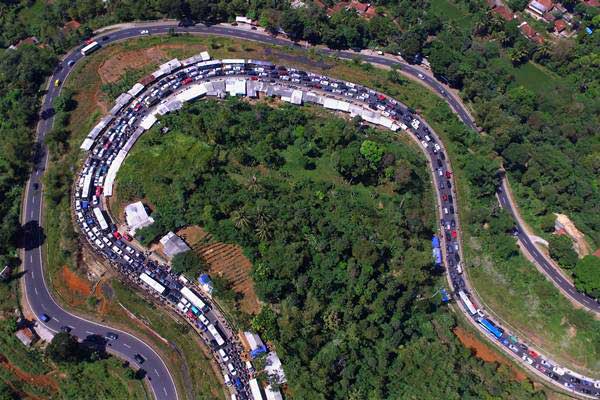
[262,231]
[240,219]
[253,185]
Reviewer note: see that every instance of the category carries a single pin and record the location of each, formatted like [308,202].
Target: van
[459,268]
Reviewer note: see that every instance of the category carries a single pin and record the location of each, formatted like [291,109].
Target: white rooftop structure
[273,394]
[235,87]
[274,368]
[253,340]
[255,392]
[173,244]
[167,68]
[204,56]
[148,121]
[137,217]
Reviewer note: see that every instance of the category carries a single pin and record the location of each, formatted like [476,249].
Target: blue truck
[493,329]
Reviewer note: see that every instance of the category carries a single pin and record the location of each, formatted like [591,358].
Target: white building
[137,217]
[173,244]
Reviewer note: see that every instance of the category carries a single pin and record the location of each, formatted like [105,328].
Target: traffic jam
[116,134]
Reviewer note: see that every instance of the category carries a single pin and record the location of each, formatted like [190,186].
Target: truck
[490,327]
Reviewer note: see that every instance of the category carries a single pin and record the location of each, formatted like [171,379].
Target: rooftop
[137,217]
[173,244]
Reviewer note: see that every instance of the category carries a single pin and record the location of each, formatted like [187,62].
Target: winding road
[36,290]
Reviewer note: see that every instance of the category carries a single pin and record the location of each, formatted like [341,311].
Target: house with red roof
[504,12]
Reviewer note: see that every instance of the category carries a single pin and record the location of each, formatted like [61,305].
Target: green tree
[373,152]
[587,275]
[64,348]
[561,250]
[189,264]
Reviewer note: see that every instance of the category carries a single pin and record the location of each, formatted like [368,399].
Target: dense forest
[332,216]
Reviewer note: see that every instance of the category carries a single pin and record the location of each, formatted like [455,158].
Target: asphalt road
[126,346]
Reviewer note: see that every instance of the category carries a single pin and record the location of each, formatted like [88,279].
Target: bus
[90,48]
[215,333]
[467,302]
[100,218]
[493,329]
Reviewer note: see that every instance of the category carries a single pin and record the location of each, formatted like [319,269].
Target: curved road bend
[565,286]
[36,290]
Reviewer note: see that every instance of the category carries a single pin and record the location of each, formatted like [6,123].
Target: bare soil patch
[484,352]
[226,260]
[113,68]
[76,288]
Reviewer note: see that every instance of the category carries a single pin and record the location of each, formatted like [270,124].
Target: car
[445,210]
[449,184]
[57,83]
[70,63]
[36,186]
[223,355]
[144,32]
[127,237]
[453,223]
[451,209]
[65,329]
[112,336]
[513,348]
[231,369]
[117,235]
[44,317]
[454,234]
[139,359]
[421,76]
[444,197]
[442,187]
[568,385]
[448,174]
[541,368]
[533,354]
[527,359]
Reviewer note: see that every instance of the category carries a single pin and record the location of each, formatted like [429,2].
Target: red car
[117,235]
[98,190]
[253,78]
[454,234]
[190,315]
[186,81]
[448,174]
[381,97]
[127,237]
[533,354]
[88,41]
[445,197]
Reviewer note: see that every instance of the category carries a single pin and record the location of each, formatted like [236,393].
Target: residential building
[26,336]
[539,7]
[173,244]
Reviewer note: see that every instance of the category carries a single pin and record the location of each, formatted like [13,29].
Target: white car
[223,355]
[231,369]
[421,76]
[424,143]
[144,32]
[415,123]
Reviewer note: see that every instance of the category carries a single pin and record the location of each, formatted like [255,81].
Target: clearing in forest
[484,352]
[226,260]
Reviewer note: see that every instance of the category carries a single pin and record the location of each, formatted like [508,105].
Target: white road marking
[35,290]
[165,390]
[57,320]
[90,333]
[31,214]
[32,274]
[156,372]
[126,345]
[30,258]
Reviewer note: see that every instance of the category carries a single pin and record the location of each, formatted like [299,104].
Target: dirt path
[485,353]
